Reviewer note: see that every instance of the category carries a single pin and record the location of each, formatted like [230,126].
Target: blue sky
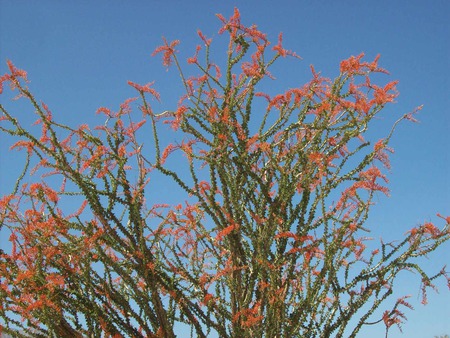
[80,55]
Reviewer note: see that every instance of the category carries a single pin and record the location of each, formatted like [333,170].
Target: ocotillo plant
[269,238]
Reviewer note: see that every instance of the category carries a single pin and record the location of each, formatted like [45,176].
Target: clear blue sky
[80,54]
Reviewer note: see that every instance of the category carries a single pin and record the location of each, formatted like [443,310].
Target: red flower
[352,65]
[205,40]
[385,94]
[281,51]
[194,59]
[226,231]
[168,51]
[145,89]
[232,25]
